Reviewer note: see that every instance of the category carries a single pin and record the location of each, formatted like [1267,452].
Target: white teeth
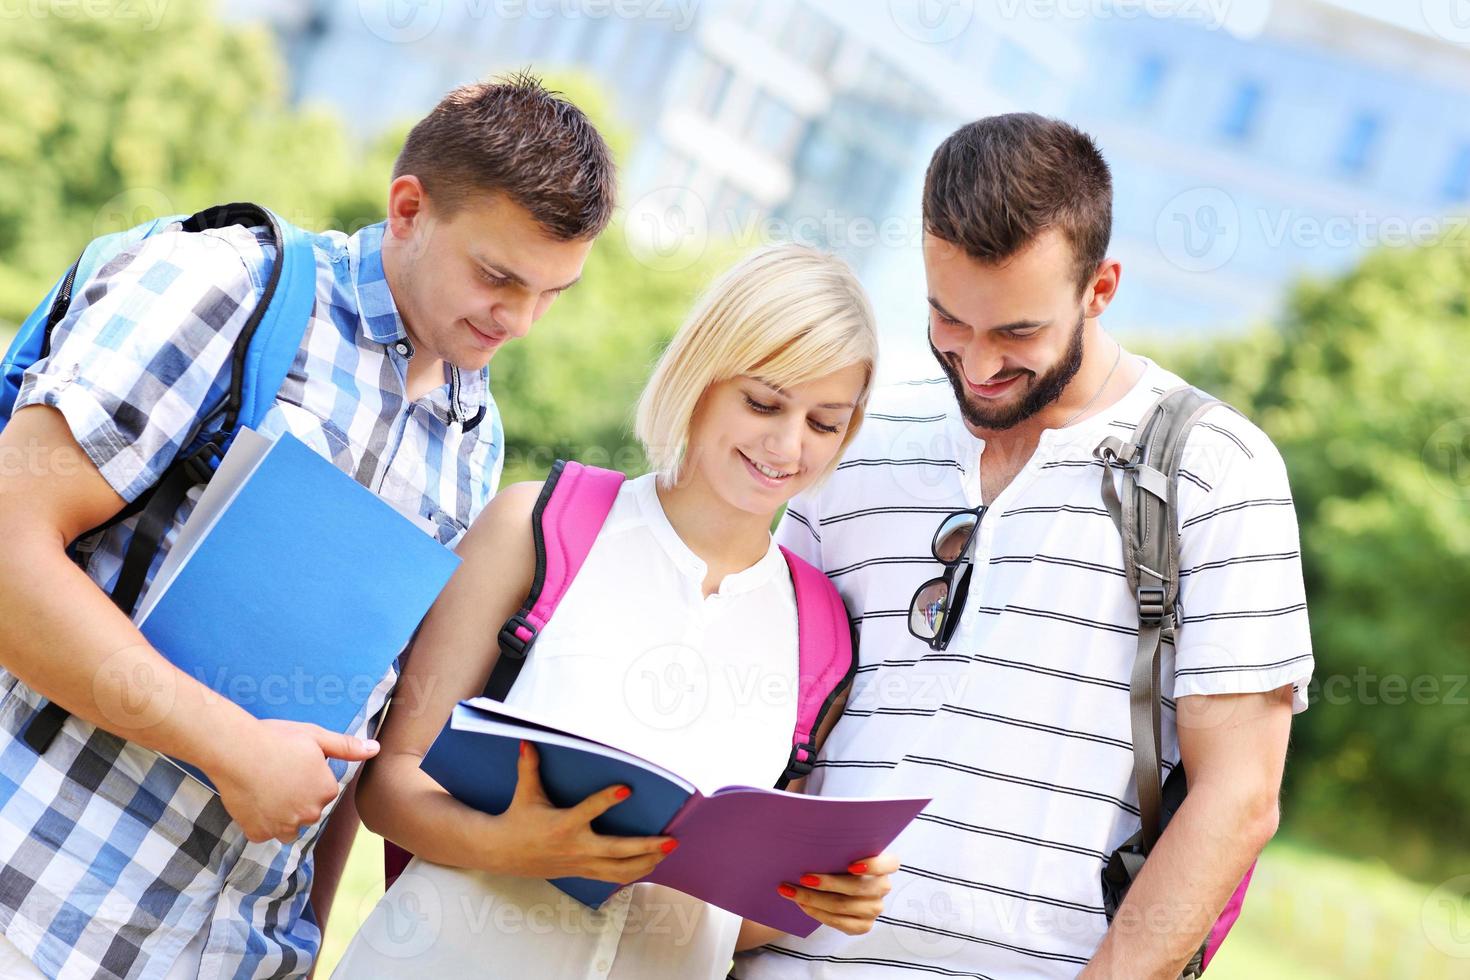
[767,471]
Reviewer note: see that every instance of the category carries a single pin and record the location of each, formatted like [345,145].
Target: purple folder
[737,845]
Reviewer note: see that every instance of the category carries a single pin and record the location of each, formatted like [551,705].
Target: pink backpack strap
[1222,925]
[568,516]
[826,661]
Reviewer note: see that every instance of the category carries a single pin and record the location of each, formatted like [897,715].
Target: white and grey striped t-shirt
[1020,730]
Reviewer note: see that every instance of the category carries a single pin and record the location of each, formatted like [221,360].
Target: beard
[1039,391]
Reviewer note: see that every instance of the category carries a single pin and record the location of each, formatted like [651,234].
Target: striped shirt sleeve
[144,353]
[1243,624]
[800,527]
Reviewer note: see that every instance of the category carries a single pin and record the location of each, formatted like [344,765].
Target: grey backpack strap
[1146,515]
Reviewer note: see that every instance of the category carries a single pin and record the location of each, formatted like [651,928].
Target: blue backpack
[263,354]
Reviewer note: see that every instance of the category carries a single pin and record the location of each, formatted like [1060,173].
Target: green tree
[1362,386]
[122,121]
[112,120]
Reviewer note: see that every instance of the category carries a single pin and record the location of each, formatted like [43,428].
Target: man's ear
[1103,287]
[407,205]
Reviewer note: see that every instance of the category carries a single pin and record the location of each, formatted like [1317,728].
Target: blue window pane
[1245,108]
[1148,79]
[1457,179]
[1357,145]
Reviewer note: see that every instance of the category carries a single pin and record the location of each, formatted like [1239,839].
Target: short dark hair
[997,183]
[514,136]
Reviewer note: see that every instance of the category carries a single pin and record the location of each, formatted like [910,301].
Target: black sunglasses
[929,610]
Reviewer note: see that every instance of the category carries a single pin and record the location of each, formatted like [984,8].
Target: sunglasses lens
[926,615]
[953,535]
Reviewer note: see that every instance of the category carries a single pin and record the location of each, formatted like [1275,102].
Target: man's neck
[424,374]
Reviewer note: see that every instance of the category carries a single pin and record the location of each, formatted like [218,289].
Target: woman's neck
[726,539]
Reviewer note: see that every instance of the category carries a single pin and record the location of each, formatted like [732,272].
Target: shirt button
[401,348]
[603,966]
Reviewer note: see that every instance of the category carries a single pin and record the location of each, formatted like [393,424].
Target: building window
[774,126]
[1358,143]
[1243,113]
[1457,179]
[710,89]
[810,38]
[1148,79]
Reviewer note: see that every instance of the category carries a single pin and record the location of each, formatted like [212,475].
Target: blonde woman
[676,641]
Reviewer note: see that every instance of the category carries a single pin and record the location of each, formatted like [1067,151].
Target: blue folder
[480,770]
[294,587]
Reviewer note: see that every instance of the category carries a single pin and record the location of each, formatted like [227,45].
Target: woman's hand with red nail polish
[543,840]
[849,903]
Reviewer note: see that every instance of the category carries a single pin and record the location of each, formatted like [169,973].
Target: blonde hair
[790,313]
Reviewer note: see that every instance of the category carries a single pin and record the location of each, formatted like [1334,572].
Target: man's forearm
[1190,875]
[78,649]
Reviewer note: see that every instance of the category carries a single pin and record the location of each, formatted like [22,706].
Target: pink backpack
[569,515]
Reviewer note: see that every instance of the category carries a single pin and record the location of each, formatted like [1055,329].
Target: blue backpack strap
[568,516]
[262,356]
[827,660]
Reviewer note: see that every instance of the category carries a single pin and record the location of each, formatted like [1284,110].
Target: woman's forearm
[400,802]
[753,934]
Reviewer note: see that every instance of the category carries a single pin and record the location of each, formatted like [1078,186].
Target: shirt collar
[746,580]
[382,324]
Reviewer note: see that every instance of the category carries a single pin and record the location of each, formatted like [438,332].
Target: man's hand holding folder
[279,782]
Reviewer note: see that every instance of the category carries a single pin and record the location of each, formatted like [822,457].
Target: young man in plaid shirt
[113,863]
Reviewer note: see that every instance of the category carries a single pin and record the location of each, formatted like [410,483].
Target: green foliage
[1362,387]
[120,122]
[568,390]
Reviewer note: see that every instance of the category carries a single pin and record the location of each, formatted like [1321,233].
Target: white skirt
[436,923]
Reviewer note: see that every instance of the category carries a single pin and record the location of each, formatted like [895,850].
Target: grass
[1310,915]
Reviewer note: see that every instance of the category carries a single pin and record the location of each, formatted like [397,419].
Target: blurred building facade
[1244,152]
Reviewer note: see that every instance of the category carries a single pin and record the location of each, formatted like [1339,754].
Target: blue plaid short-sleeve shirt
[111,859]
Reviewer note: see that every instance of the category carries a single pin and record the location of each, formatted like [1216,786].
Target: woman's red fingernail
[623,793]
[811,881]
[523,747]
[858,868]
[787,891]
[668,846]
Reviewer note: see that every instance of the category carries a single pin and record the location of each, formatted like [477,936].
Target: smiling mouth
[766,471]
[993,388]
[487,338]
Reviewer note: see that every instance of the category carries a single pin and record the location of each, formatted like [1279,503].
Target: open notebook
[737,844]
